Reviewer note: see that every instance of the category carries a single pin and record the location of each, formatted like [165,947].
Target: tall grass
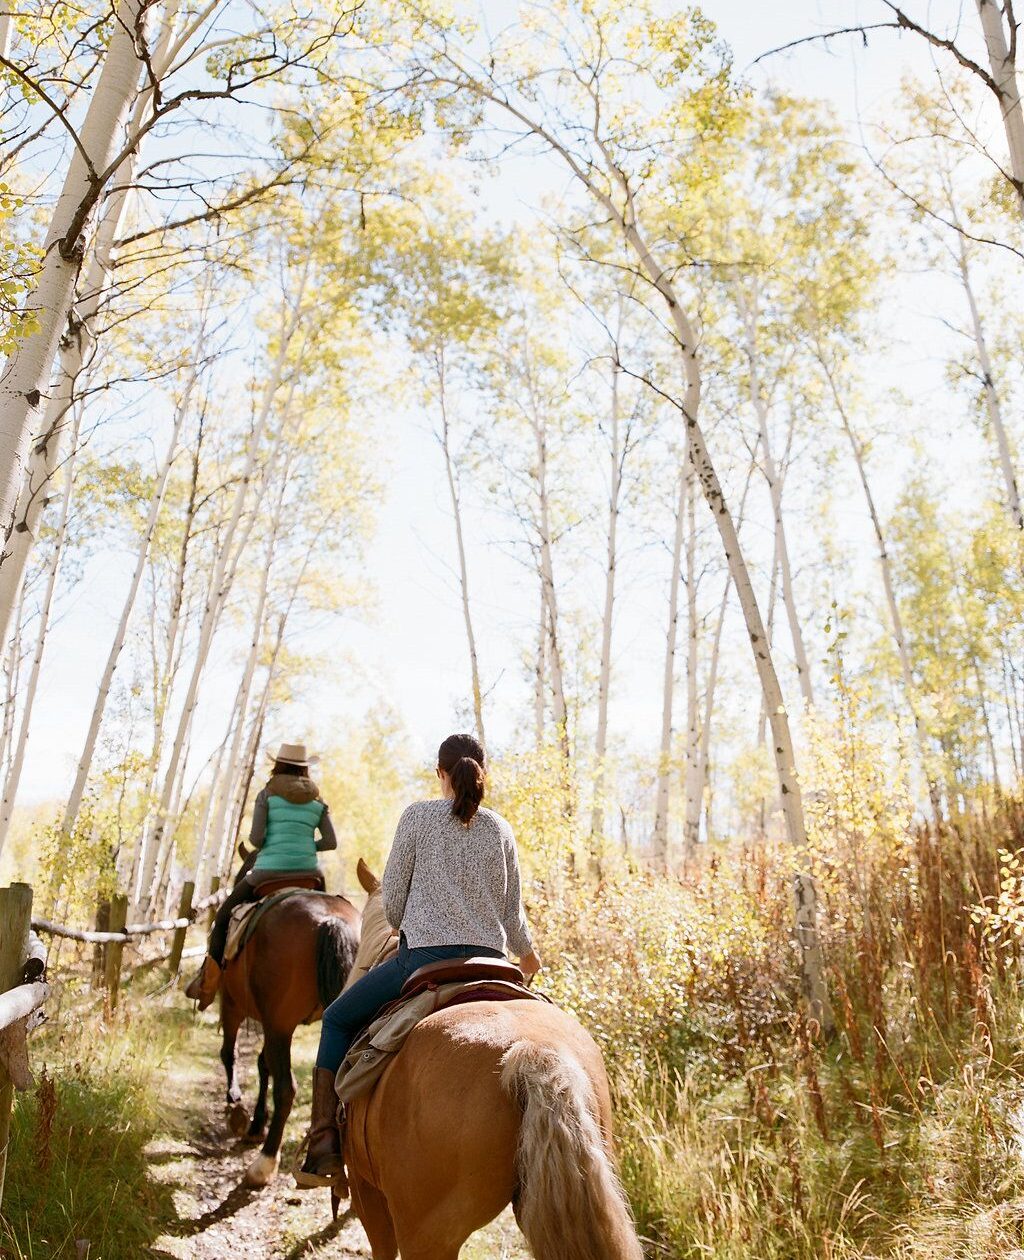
[746,1135]
[77,1167]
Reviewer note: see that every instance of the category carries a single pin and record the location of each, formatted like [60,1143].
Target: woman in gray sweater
[452,889]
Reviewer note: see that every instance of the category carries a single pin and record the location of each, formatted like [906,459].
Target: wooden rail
[107,963]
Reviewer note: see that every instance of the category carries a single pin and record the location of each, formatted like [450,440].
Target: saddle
[313,882]
[245,917]
[462,971]
[432,988]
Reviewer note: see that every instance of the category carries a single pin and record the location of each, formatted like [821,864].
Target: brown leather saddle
[314,882]
[463,971]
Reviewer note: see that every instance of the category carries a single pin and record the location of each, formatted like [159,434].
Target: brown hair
[290,767]
[461,757]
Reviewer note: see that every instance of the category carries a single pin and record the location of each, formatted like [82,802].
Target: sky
[407,655]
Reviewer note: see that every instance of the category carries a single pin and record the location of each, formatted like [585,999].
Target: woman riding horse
[285,817]
[452,889]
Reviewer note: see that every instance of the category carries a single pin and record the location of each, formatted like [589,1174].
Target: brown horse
[294,964]
[488,1104]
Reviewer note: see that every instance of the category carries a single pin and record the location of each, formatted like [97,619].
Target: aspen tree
[13,776]
[602,155]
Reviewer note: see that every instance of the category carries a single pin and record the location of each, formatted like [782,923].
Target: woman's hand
[529,964]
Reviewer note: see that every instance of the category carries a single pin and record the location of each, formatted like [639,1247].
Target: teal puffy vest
[290,843]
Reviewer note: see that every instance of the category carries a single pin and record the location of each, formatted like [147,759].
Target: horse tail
[570,1204]
[335,954]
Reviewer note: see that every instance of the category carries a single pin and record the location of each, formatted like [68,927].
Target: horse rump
[570,1204]
[335,954]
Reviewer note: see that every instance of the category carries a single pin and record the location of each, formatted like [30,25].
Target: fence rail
[91,937]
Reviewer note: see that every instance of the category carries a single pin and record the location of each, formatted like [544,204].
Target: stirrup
[337,1181]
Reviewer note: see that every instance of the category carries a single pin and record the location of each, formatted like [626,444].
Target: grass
[77,1167]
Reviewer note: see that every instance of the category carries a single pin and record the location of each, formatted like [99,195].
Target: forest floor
[197,1160]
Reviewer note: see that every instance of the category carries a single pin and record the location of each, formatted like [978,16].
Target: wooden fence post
[184,910]
[118,918]
[99,954]
[212,912]
[15,920]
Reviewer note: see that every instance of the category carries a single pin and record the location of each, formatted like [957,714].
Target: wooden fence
[23,990]
[23,987]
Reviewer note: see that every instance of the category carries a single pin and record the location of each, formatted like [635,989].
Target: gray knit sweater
[448,884]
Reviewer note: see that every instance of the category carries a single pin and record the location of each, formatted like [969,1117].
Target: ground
[218,1219]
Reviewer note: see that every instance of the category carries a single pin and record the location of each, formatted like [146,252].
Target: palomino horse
[292,966]
[488,1104]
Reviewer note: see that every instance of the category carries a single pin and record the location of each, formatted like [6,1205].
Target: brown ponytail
[461,757]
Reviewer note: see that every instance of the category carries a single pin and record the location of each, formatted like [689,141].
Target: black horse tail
[335,954]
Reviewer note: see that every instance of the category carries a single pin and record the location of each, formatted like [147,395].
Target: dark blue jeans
[347,1015]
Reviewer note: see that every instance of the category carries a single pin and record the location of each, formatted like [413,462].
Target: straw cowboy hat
[293,755]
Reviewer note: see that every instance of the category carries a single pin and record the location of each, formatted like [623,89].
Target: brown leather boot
[323,1165]
[205,983]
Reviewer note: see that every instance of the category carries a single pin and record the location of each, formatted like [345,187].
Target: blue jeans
[350,1013]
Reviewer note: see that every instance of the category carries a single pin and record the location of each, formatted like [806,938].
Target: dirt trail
[217,1218]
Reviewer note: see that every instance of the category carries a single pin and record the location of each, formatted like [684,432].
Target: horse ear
[366,877]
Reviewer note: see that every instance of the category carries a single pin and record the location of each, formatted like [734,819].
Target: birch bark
[774,479]
[885,566]
[992,402]
[456,503]
[25,378]
[120,634]
[77,344]
[1002,59]
[615,459]
[662,791]
[13,777]
[223,572]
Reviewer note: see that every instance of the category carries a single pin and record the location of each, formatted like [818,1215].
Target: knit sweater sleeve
[516,930]
[397,878]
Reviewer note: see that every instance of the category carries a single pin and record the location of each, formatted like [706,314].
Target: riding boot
[323,1165]
[205,983]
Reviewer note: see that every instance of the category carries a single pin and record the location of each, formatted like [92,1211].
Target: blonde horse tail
[570,1204]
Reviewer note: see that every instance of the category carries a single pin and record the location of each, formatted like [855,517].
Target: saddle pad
[246,917]
[379,1042]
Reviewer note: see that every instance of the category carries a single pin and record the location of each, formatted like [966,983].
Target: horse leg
[259,1115]
[231,1021]
[372,1209]
[277,1046]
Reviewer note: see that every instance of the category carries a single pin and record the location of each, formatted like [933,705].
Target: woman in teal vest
[285,819]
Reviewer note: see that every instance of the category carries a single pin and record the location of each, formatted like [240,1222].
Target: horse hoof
[262,1170]
[238,1119]
[252,1137]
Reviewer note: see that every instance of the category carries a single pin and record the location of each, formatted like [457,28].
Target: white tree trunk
[804,893]
[213,830]
[664,783]
[223,574]
[120,634]
[992,403]
[624,217]
[18,761]
[1004,72]
[774,479]
[553,649]
[694,778]
[12,670]
[540,674]
[608,615]
[25,379]
[453,493]
[885,566]
[77,344]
